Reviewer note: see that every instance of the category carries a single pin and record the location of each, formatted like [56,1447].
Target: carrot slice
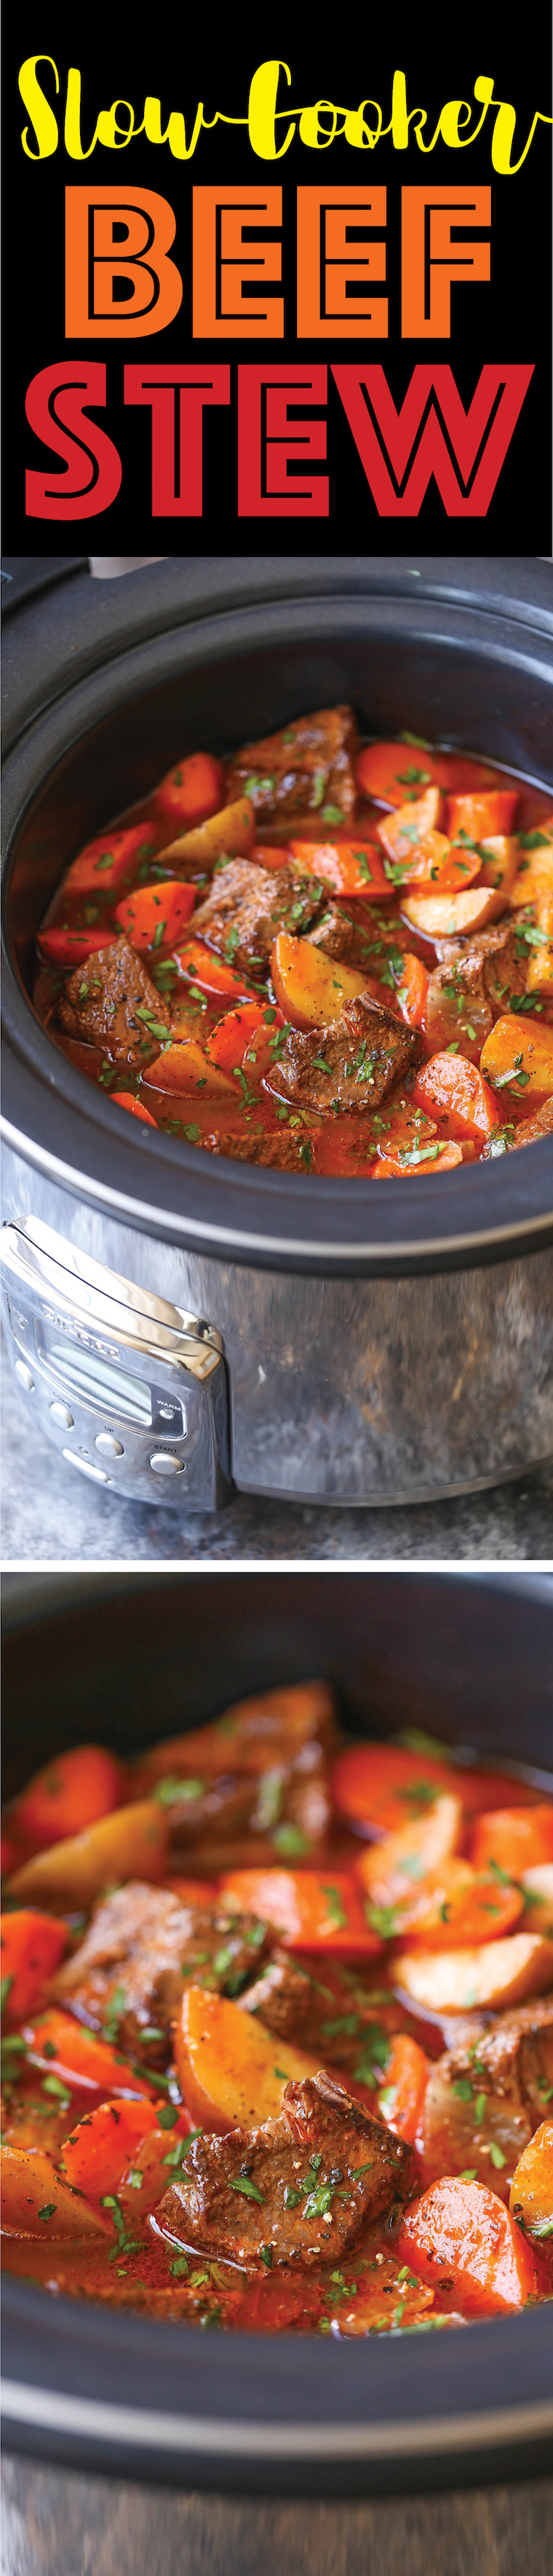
[390,771]
[513,1838]
[31,1946]
[411,992]
[156,2158]
[97,2152]
[71,1791]
[126,1100]
[72,947]
[106,862]
[382,1785]
[461,2231]
[453,1088]
[349,867]
[478,816]
[153,916]
[438,1158]
[402,2099]
[87,2063]
[232,1035]
[213,974]
[312,1909]
[232,2072]
[192,791]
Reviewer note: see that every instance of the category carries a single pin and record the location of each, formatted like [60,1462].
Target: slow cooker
[177,1324]
[469,1657]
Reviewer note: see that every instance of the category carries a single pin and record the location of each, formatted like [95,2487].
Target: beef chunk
[490,2091]
[307,768]
[288,1151]
[332,2015]
[110,1001]
[142,1945]
[301,2185]
[347,933]
[278,1743]
[351,1065]
[246,907]
[530,1129]
[476,980]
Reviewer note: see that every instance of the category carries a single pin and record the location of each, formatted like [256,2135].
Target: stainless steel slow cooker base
[351,1391]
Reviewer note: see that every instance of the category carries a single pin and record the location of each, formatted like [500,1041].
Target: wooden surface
[56,2523]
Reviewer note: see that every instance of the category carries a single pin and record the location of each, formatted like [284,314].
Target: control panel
[132,1389]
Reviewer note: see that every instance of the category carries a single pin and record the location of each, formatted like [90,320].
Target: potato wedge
[500,858]
[231,2070]
[310,988]
[184,1068]
[131,1843]
[36,2202]
[531,2194]
[394,1873]
[534,876]
[228,834]
[503,1972]
[540,969]
[443,916]
[517,1059]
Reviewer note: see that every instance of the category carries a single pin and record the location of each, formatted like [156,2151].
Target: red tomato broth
[307,1141]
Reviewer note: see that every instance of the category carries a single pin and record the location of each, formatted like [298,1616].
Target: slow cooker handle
[130,1388]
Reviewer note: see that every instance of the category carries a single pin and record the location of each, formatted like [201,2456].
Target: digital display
[98,1381]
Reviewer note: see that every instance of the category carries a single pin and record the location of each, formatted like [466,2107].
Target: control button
[60,1413]
[98,1473]
[25,1376]
[164,1465]
[110,1447]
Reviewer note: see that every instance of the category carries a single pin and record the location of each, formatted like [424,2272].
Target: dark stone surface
[51,1515]
[57,2523]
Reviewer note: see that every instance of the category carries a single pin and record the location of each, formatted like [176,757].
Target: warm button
[164,1465]
[60,1413]
[25,1376]
[110,1447]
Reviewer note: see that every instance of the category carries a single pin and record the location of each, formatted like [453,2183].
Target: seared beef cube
[491,2090]
[346,933]
[330,2013]
[278,1743]
[307,768]
[288,1151]
[301,2185]
[246,907]
[110,1002]
[272,1726]
[475,982]
[351,1065]
[529,1129]
[142,1946]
